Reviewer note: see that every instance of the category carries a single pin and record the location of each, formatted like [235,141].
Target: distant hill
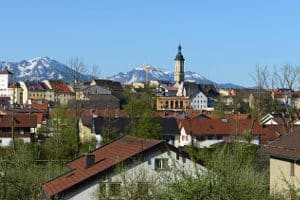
[40,68]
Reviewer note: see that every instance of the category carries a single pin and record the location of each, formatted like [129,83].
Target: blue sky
[223,40]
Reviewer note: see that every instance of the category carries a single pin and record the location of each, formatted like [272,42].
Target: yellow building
[173,103]
[284,162]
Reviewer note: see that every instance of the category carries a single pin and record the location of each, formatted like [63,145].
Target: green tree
[219,109]
[142,121]
[230,175]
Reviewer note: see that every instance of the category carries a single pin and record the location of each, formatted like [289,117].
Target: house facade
[199,101]
[206,132]
[6,78]
[284,155]
[59,91]
[32,90]
[144,161]
[24,127]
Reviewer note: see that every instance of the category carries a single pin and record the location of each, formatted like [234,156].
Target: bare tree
[95,71]
[260,77]
[286,78]
[78,69]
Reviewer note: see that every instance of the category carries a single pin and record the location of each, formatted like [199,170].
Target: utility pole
[13,117]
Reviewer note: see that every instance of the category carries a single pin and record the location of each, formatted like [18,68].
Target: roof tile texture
[105,157]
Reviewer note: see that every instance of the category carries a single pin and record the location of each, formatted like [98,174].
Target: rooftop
[106,157]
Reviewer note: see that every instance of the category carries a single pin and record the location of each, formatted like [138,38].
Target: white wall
[184,138]
[199,101]
[145,170]
[5,141]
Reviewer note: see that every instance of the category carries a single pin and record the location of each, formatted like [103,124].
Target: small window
[161,164]
[0,141]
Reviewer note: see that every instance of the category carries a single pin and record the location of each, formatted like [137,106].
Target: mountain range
[43,68]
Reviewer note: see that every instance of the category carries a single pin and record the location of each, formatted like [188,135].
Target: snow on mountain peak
[40,68]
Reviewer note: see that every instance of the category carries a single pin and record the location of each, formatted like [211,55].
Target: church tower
[179,66]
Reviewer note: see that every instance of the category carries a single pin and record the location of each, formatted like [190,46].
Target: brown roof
[112,85]
[60,86]
[6,72]
[39,104]
[105,157]
[21,120]
[283,94]
[287,146]
[205,127]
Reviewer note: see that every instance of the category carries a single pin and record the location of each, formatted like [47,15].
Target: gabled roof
[106,157]
[112,85]
[214,127]
[116,124]
[60,86]
[21,120]
[35,86]
[286,147]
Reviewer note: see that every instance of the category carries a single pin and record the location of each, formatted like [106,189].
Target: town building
[144,161]
[284,156]
[19,126]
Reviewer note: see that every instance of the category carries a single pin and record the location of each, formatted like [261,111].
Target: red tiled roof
[39,117]
[14,85]
[205,127]
[60,86]
[282,94]
[21,120]
[39,104]
[105,158]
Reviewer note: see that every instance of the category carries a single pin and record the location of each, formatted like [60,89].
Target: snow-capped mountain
[38,69]
[155,73]
[45,68]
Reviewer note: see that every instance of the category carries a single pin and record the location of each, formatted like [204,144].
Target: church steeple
[179,66]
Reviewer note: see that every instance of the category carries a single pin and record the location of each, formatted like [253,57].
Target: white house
[143,162]
[198,101]
[6,78]
[206,132]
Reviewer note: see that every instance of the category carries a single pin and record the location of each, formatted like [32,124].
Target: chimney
[90,160]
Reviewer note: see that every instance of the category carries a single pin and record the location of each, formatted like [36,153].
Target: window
[161,164]
[184,138]
[292,168]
